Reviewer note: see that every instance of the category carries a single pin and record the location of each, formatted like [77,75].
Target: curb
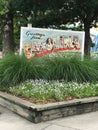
[40,113]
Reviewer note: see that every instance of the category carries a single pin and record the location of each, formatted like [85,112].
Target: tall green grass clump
[71,69]
[95,63]
[16,69]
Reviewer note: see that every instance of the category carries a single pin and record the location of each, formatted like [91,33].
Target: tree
[62,11]
[86,13]
[6,14]
[44,13]
[8,10]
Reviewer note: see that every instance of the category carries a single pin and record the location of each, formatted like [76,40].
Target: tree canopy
[42,13]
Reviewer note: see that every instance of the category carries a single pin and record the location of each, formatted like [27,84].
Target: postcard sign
[39,42]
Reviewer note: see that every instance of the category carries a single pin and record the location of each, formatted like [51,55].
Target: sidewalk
[11,121]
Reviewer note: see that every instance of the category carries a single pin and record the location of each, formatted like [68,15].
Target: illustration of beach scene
[39,42]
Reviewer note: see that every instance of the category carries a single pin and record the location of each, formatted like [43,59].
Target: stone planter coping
[46,112]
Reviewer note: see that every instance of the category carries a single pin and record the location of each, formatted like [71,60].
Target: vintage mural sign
[39,42]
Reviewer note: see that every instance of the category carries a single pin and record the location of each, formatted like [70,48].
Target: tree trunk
[7,33]
[87,39]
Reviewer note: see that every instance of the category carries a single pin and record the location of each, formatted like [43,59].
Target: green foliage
[71,69]
[41,91]
[3,6]
[17,69]
[14,69]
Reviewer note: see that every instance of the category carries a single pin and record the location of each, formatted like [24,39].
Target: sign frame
[36,40]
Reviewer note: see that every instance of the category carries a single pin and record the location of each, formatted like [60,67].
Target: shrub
[17,69]
[71,69]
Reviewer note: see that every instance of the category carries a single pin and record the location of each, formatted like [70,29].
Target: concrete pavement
[11,121]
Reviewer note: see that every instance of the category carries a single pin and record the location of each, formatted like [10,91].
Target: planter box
[46,112]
